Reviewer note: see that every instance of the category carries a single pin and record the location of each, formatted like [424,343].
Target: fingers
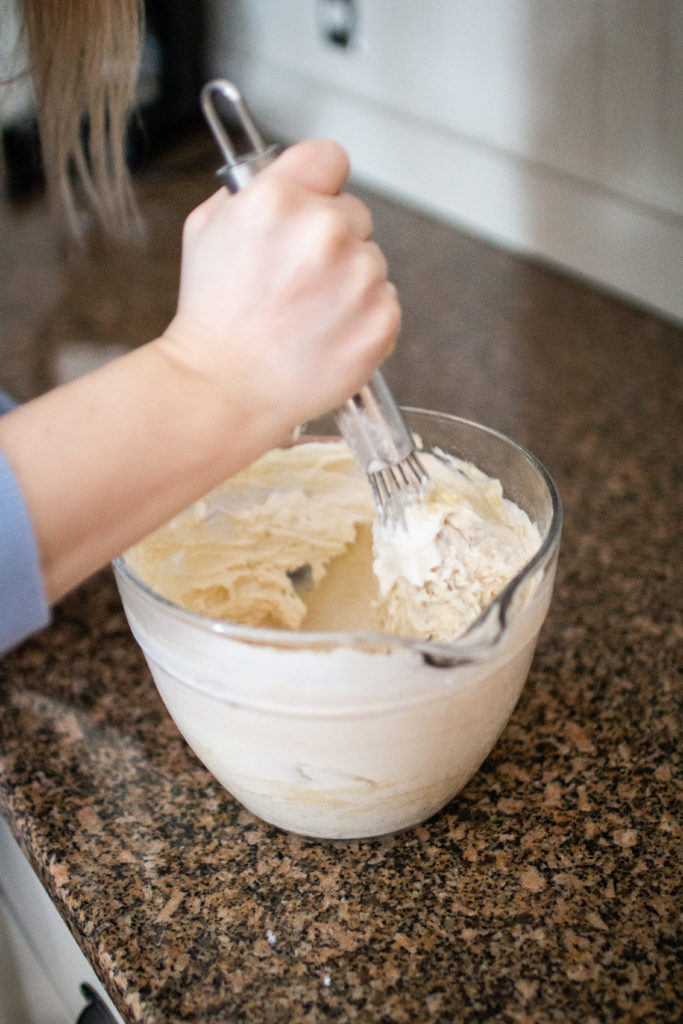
[316,166]
[375,261]
[319,165]
[382,322]
[370,337]
[356,214]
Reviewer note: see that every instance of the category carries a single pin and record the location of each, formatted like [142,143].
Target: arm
[284,310]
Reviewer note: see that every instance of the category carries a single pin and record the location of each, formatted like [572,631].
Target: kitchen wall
[16,93]
[548,127]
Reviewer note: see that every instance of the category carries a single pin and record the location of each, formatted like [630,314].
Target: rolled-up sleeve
[24,608]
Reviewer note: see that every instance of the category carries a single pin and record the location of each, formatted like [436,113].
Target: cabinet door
[42,967]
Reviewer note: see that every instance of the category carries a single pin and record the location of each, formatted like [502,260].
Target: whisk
[370,422]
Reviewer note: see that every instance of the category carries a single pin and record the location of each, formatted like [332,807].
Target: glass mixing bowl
[345,735]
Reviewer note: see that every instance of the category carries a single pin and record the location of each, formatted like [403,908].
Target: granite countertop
[548,890]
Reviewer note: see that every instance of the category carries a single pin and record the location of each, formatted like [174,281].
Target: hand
[284,311]
[284,303]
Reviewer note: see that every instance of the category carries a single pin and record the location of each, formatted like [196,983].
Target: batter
[292,543]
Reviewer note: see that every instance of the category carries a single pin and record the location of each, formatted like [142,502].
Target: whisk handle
[373,427]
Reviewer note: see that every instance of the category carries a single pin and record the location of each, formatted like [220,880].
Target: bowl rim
[472,645]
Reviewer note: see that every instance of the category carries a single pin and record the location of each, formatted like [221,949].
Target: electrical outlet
[337,22]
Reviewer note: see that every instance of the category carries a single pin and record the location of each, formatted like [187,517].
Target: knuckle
[379,259]
[271,196]
[331,232]
[389,317]
[337,153]
[358,214]
[371,264]
[395,317]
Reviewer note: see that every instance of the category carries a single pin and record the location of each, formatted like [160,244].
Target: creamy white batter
[458,548]
[288,543]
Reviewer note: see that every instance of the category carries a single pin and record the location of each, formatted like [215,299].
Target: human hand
[284,305]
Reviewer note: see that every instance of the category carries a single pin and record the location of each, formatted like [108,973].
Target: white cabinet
[41,966]
[553,128]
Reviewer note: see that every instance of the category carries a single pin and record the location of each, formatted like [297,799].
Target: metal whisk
[373,427]
[370,422]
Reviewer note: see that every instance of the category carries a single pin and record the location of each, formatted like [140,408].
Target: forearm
[111,456]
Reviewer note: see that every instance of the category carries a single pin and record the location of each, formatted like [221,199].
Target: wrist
[231,422]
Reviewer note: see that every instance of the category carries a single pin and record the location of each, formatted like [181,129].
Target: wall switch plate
[337,22]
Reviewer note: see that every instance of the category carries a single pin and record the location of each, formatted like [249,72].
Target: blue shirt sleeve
[24,608]
[6,403]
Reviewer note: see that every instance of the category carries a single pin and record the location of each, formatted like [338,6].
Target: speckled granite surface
[548,891]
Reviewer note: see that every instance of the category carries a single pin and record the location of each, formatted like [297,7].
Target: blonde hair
[84,57]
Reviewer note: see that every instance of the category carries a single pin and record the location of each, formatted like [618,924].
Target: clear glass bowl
[353,734]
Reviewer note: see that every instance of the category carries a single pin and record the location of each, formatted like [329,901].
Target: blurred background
[551,129]
[522,159]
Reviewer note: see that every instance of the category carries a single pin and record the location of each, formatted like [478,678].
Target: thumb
[320,165]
